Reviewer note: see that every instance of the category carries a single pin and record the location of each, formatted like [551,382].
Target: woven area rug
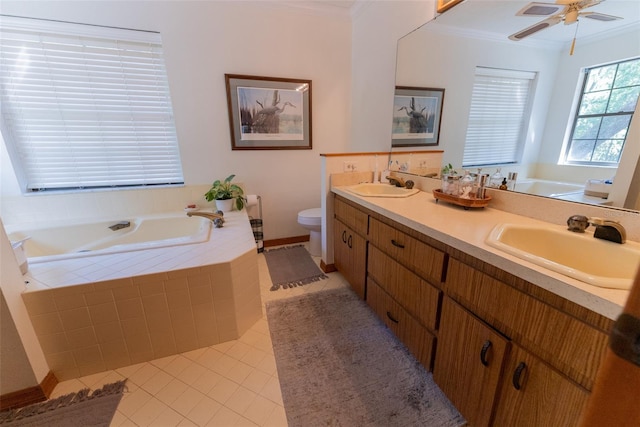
[339,365]
[292,266]
[80,409]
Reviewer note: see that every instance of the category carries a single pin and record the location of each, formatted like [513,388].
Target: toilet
[311,219]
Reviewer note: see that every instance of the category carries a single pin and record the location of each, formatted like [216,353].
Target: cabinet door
[533,394]
[469,358]
[350,256]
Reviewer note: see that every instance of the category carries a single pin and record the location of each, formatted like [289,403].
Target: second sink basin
[578,255]
[381,190]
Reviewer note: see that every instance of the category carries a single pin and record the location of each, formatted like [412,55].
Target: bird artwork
[418,120]
[266,120]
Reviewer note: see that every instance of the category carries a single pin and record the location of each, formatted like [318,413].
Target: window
[608,99]
[498,117]
[85,106]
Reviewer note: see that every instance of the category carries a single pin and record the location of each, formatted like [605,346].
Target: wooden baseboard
[28,396]
[286,241]
[327,268]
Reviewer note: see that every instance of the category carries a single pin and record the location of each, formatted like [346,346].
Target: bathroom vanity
[507,342]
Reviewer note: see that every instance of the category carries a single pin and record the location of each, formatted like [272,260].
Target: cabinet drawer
[415,337]
[415,295]
[354,218]
[569,345]
[426,261]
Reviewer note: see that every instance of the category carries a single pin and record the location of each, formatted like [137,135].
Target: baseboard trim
[327,268]
[28,396]
[286,241]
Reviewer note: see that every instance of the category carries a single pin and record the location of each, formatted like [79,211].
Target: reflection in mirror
[446,52]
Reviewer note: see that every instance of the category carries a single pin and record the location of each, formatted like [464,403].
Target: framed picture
[269,113]
[444,5]
[417,113]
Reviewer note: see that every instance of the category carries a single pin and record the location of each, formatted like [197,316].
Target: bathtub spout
[120,225]
[210,215]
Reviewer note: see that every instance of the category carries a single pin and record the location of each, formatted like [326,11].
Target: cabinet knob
[517,375]
[483,353]
[396,244]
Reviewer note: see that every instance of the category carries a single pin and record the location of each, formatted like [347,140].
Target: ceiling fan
[567,11]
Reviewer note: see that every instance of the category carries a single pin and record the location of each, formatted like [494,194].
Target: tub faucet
[610,230]
[210,215]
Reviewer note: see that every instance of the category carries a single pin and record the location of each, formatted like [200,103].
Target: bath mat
[76,409]
[339,365]
[292,266]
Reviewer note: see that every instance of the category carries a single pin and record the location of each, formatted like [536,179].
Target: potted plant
[225,190]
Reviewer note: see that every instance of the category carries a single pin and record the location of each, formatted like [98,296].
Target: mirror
[444,53]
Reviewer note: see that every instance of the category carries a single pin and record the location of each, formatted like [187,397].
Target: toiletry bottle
[503,186]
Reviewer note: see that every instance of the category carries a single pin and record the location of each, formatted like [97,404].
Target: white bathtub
[547,188]
[91,239]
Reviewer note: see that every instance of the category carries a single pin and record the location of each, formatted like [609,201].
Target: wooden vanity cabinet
[533,394]
[468,362]
[350,227]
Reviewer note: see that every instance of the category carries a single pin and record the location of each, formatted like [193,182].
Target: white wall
[203,40]
[376,31]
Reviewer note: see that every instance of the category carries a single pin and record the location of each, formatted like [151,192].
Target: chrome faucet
[606,229]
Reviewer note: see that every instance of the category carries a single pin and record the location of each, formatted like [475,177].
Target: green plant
[225,190]
[448,170]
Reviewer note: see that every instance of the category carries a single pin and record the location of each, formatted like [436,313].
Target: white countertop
[466,230]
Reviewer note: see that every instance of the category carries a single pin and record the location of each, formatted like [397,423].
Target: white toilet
[311,219]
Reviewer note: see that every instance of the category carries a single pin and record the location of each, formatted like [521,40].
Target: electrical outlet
[350,166]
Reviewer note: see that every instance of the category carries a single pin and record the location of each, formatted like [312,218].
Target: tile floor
[230,384]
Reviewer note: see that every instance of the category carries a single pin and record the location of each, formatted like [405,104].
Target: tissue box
[597,188]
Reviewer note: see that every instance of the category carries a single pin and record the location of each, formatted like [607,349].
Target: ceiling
[497,19]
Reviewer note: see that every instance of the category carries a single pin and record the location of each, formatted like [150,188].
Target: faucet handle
[578,223]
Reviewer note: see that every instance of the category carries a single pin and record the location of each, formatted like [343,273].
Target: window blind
[85,106]
[499,112]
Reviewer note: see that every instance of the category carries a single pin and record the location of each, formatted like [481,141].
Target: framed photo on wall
[417,113]
[269,113]
[444,5]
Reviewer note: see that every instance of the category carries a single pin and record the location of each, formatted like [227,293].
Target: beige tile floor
[230,384]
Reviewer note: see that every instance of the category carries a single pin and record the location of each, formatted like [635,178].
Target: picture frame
[269,113]
[417,115]
[444,5]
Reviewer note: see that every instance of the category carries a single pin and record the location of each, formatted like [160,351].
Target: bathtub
[92,239]
[130,301]
[547,188]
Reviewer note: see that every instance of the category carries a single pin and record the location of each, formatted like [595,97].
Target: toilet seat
[310,217]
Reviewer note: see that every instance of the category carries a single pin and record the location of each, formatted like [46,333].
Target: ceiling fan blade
[600,16]
[540,9]
[549,22]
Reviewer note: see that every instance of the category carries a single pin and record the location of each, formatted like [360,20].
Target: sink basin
[578,255]
[381,190]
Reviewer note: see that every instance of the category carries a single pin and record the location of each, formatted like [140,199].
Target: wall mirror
[445,52]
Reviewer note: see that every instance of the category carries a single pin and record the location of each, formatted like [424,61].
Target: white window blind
[498,117]
[85,106]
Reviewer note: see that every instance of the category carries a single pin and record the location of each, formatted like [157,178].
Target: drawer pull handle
[344,236]
[396,244]
[483,353]
[350,241]
[391,317]
[517,374]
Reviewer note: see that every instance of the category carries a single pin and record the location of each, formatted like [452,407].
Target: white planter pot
[225,205]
